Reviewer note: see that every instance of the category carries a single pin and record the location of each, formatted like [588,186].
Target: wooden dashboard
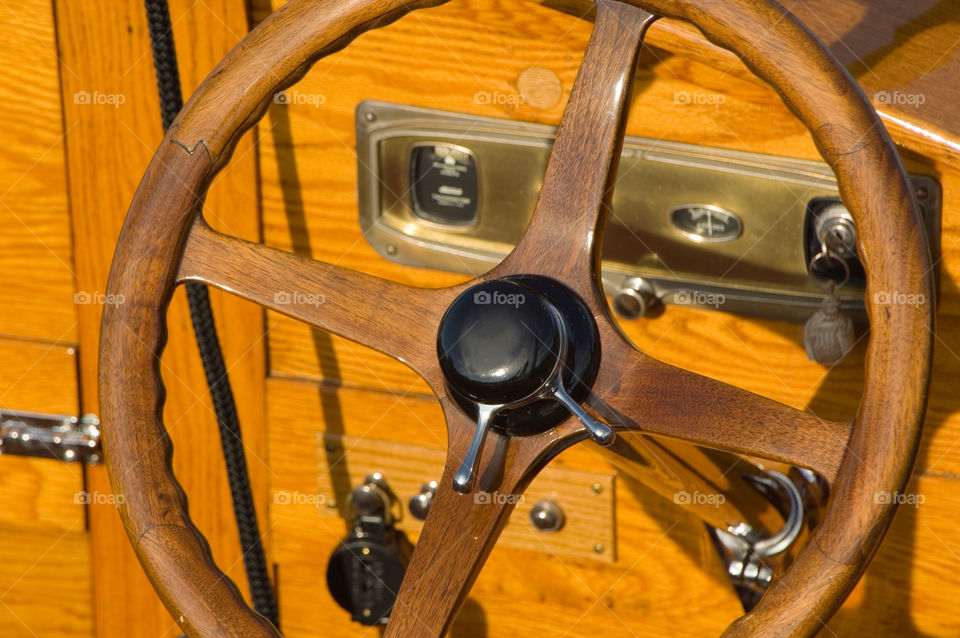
[318,411]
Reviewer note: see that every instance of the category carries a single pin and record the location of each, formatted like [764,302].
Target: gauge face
[704,223]
[444,184]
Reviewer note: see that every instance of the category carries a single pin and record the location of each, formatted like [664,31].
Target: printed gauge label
[444,184]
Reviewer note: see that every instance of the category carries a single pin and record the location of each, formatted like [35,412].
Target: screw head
[547,516]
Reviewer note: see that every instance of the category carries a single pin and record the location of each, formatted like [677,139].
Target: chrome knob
[501,346]
[368,500]
[420,504]
[373,498]
[635,298]
[547,516]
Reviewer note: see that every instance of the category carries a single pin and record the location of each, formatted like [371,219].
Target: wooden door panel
[36,298]
[44,545]
[105,46]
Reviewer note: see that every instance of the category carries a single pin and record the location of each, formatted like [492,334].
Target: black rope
[171,101]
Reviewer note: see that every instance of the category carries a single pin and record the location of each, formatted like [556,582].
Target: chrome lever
[465,477]
[600,432]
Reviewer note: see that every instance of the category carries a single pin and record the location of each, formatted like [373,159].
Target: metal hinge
[51,436]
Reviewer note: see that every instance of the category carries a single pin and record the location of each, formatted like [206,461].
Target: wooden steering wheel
[165,242]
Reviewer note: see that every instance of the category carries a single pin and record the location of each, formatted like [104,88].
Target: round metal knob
[499,342]
[547,516]
[635,298]
[420,504]
[369,500]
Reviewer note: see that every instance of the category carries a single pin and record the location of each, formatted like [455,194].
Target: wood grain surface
[312,209]
[460,533]
[670,581]
[105,48]
[45,565]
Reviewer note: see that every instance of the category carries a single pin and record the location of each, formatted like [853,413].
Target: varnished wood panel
[910,587]
[312,175]
[663,564]
[105,47]
[38,377]
[313,209]
[36,298]
[44,582]
[309,185]
[44,547]
[585,497]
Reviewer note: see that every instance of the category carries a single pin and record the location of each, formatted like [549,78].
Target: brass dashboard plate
[759,268]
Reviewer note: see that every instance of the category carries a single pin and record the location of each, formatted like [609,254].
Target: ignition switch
[831,243]
[366,569]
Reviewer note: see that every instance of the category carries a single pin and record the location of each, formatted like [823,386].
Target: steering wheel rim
[165,242]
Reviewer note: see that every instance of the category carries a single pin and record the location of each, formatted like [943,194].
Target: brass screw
[366,613]
[597,488]
[599,548]
[331,504]
[366,551]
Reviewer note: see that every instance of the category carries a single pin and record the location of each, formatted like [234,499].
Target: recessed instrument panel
[694,225]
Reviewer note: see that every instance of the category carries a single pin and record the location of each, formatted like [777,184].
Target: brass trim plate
[760,270]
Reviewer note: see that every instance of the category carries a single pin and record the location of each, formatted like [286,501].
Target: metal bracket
[51,436]
[744,553]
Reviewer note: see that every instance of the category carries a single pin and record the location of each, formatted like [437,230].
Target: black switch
[444,184]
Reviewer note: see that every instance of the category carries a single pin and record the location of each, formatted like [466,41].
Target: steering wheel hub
[509,342]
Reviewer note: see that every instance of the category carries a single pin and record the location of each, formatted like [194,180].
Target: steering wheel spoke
[399,320]
[636,392]
[461,529]
[563,238]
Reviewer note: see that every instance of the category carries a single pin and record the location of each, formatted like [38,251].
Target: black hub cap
[500,342]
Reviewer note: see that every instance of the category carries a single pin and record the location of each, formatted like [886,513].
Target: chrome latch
[51,436]
[744,554]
